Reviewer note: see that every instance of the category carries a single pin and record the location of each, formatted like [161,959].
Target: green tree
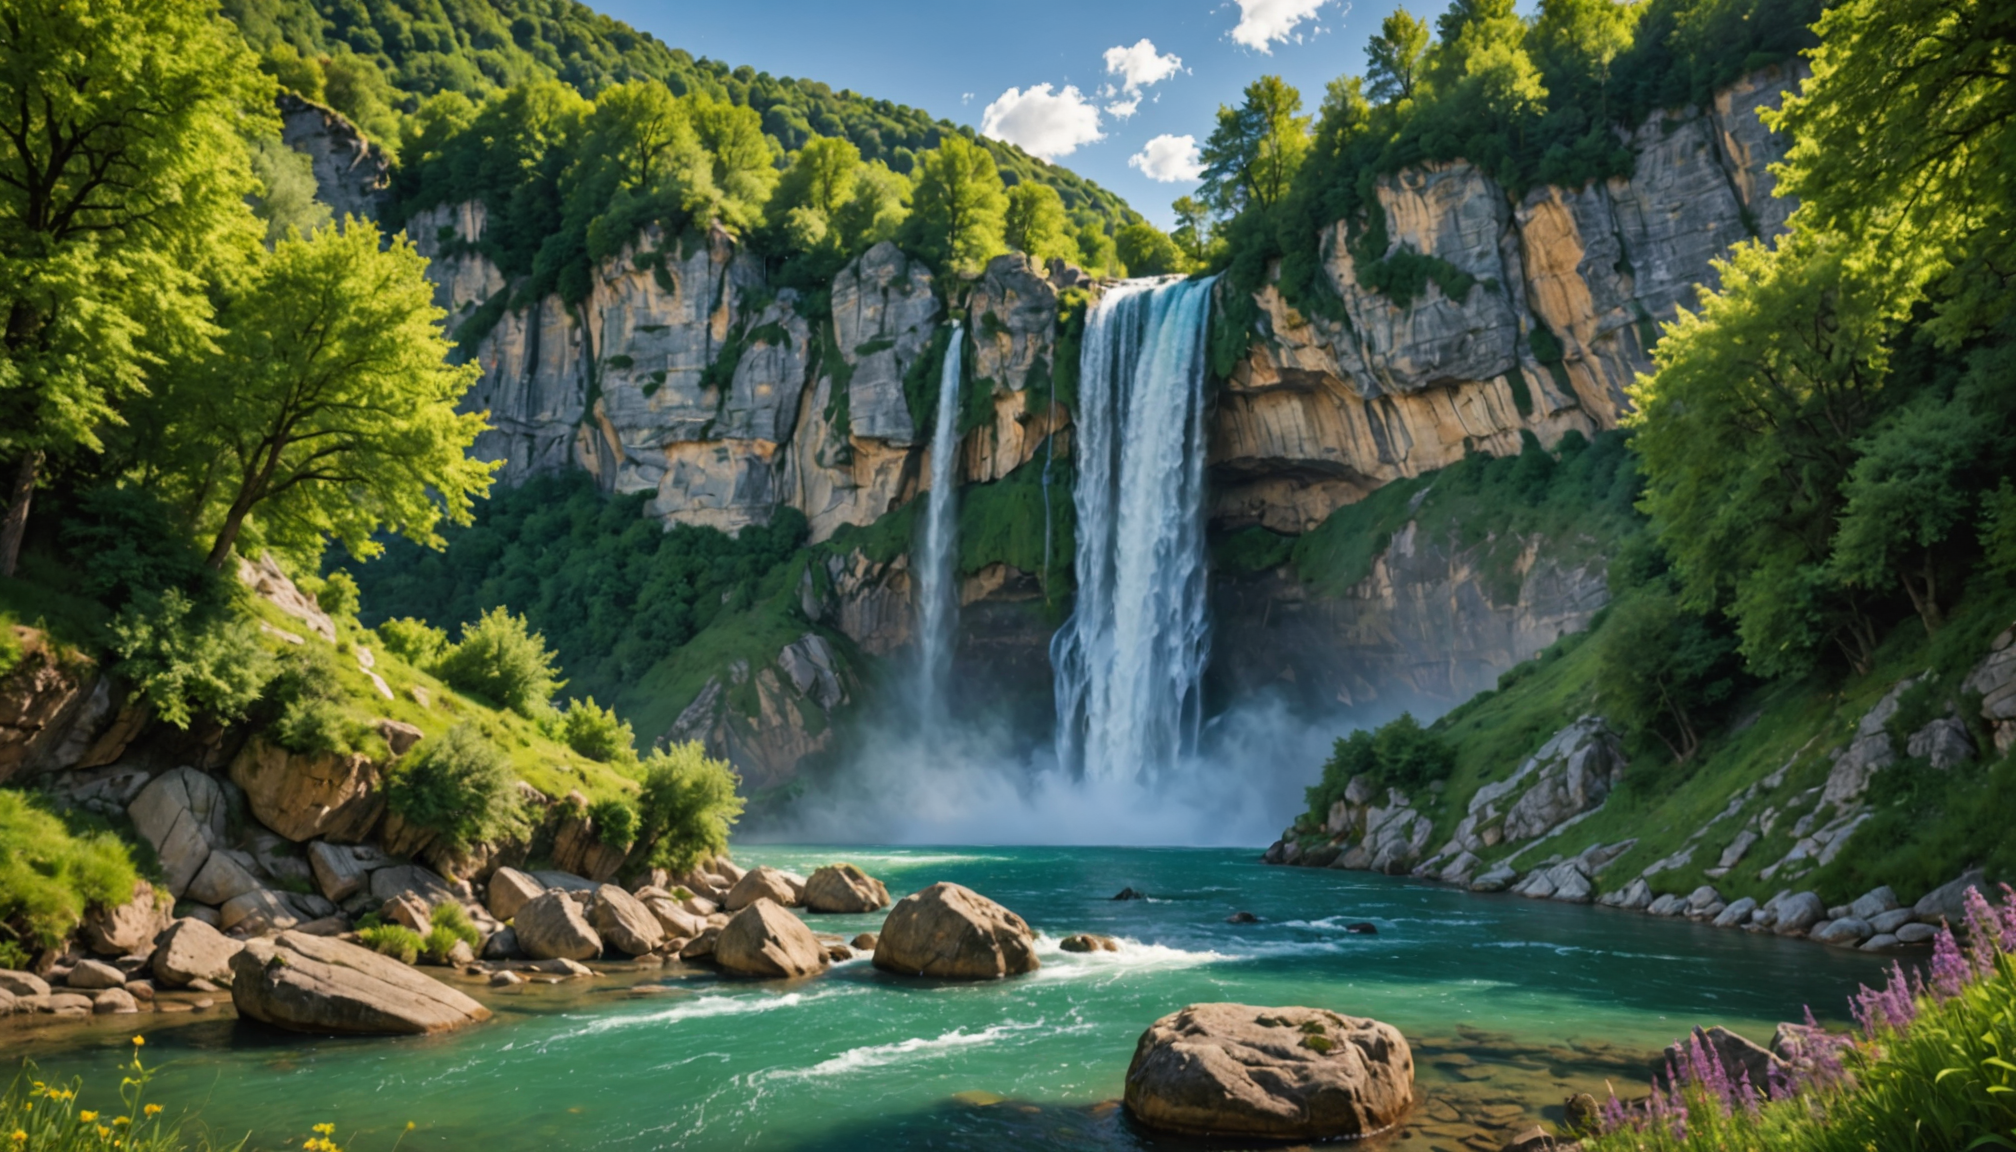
[1747,432]
[742,163]
[1036,223]
[1253,153]
[1575,42]
[1662,669]
[597,733]
[286,194]
[502,660]
[1097,253]
[958,211]
[820,181]
[1394,57]
[122,180]
[1148,251]
[1194,233]
[876,210]
[687,806]
[326,408]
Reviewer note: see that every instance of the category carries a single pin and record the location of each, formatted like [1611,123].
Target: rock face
[954,933]
[767,744]
[313,984]
[844,888]
[191,950]
[1570,775]
[766,940]
[302,797]
[53,708]
[128,928]
[352,175]
[1234,1070]
[182,815]
[552,926]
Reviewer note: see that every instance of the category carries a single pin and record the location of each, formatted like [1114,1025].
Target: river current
[1510,1006]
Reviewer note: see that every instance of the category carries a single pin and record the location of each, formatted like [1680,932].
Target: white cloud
[1141,65]
[1169,159]
[1265,22]
[1042,122]
[966,98]
[1122,109]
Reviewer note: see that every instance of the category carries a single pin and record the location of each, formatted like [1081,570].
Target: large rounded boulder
[316,984]
[553,927]
[765,940]
[762,883]
[954,933]
[844,888]
[1234,1070]
[623,922]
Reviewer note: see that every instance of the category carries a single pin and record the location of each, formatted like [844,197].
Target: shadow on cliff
[954,784]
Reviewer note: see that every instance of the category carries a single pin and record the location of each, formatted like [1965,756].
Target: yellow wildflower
[409,1125]
[20,1137]
[324,1129]
[139,1040]
[123,1120]
[153,1109]
[87,1117]
[104,1133]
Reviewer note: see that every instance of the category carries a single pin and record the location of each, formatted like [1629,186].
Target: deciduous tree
[958,211]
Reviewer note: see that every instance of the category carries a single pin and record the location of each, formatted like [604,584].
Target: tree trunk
[1925,596]
[15,526]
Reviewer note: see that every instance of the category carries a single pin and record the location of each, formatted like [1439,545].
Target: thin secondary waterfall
[937,601]
[1130,659]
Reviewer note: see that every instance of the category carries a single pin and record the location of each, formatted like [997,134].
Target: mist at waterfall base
[1133,760]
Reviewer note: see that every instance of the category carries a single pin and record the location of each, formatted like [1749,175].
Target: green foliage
[414,641]
[459,787]
[615,823]
[50,873]
[124,541]
[611,589]
[286,196]
[687,807]
[438,943]
[1148,251]
[311,719]
[597,733]
[395,940]
[187,657]
[449,923]
[1254,152]
[1398,754]
[958,215]
[501,659]
[121,187]
[1035,223]
[51,1117]
[338,596]
[1664,670]
[1250,549]
[325,410]
[1004,522]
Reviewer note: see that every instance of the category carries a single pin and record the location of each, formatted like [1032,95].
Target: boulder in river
[192,950]
[1129,894]
[1738,1056]
[317,984]
[509,891]
[844,888]
[554,927]
[762,883]
[1235,1070]
[129,928]
[624,923]
[1088,942]
[954,933]
[1242,918]
[766,940]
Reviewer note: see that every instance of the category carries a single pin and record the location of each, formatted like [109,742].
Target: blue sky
[957,60]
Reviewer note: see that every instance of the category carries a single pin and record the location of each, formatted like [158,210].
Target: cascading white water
[937,602]
[1130,659]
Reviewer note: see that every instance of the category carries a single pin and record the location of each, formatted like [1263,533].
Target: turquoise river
[1510,1005]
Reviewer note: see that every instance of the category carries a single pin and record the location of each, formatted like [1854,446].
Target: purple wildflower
[1746,1095]
[1950,972]
[1984,932]
[2008,919]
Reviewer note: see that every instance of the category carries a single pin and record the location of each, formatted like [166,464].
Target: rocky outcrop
[57,711]
[1570,776]
[182,815]
[312,984]
[1234,1070]
[623,922]
[954,933]
[129,928]
[764,883]
[302,796]
[1563,290]
[807,678]
[191,950]
[553,926]
[767,941]
[352,174]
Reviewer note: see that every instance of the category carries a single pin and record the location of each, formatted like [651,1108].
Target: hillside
[382,64]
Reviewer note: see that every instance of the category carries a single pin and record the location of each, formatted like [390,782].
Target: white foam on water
[698,1008]
[901,1052]
[1132,956]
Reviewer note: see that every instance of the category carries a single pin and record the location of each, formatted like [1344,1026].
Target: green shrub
[185,657]
[1398,754]
[459,786]
[10,645]
[615,823]
[687,807]
[395,940]
[49,874]
[338,596]
[311,721]
[439,942]
[414,641]
[454,919]
[596,732]
[122,543]
[502,660]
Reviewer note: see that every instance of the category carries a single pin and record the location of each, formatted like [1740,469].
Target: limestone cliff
[1569,287]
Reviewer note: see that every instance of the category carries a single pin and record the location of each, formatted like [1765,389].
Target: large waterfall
[937,596]
[1129,660]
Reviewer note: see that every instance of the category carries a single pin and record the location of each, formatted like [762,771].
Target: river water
[1510,1005]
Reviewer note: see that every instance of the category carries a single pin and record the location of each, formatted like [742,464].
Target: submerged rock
[1087,942]
[954,933]
[315,984]
[1131,894]
[1235,1070]
[1242,918]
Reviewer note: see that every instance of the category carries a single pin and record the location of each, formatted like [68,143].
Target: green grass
[1004,522]
[51,870]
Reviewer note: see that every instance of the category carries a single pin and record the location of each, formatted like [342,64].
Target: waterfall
[1130,659]
[937,597]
